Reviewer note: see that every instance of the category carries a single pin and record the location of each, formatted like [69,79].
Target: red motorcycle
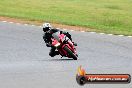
[64,45]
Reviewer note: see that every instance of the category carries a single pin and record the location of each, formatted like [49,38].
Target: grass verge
[108,16]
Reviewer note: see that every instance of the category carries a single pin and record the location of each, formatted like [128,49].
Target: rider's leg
[69,36]
[52,52]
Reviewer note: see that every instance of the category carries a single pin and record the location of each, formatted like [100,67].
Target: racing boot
[75,44]
[52,54]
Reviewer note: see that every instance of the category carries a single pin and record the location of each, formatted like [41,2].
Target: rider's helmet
[46,27]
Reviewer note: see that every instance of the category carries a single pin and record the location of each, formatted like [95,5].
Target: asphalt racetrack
[25,63]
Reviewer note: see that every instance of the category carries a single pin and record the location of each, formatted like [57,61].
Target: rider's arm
[47,40]
[67,34]
[53,30]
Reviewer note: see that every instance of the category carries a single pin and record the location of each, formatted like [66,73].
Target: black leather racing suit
[47,38]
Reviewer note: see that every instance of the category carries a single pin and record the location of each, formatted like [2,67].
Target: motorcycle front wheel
[70,53]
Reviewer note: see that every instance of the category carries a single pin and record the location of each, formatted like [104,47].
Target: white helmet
[46,27]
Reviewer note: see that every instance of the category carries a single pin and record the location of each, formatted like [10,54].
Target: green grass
[109,16]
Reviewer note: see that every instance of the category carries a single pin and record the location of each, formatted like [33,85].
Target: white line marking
[110,34]
[18,23]
[40,26]
[64,29]
[4,21]
[57,28]
[92,32]
[129,36]
[25,24]
[120,35]
[102,33]
[82,31]
[33,25]
[11,22]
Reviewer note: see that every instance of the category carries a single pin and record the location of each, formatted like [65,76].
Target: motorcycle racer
[48,31]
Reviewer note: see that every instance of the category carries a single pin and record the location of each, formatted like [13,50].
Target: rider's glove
[48,45]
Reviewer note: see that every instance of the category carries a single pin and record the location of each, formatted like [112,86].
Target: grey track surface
[24,60]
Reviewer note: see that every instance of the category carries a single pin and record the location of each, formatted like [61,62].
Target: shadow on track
[57,59]
[61,59]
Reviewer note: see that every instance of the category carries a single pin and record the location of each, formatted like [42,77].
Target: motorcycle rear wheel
[70,53]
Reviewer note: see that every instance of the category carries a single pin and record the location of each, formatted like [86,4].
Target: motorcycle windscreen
[56,35]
